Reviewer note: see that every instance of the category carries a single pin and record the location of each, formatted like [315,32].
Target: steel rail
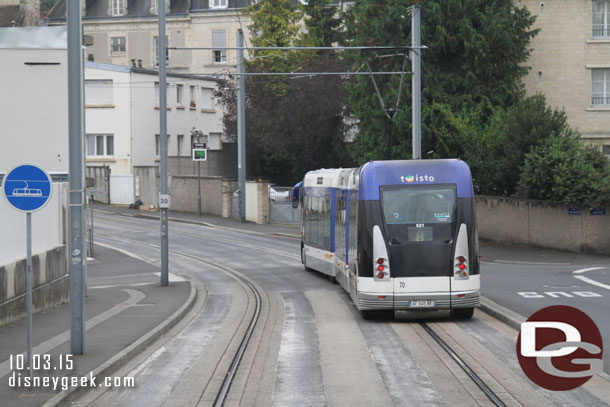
[471,374]
[230,375]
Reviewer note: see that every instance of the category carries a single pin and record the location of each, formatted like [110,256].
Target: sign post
[27,188]
[199,154]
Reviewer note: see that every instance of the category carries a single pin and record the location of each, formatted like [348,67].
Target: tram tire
[368,314]
[303,260]
[462,313]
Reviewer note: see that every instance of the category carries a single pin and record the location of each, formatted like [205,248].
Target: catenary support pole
[161,52]
[416,79]
[241,126]
[76,168]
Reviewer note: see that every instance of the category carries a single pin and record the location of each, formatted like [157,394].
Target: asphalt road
[582,282]
[311,347]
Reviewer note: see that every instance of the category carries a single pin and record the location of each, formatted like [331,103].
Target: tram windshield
[427,213]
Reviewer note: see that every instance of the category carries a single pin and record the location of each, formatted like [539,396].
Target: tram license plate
[421,304]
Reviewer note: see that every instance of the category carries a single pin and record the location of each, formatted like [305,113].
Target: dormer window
[219,3]
[118,7]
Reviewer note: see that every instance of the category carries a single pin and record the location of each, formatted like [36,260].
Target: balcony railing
[601,33]
[600,101]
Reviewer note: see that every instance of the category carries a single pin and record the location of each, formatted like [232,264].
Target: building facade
[125,32]
[570,63]
[122,127]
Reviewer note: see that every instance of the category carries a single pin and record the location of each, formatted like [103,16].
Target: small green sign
[199,154]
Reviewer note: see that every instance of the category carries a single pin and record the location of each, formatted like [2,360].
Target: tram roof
[415,172]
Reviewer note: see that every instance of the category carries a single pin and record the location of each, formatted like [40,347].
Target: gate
[280,206]
[121,189]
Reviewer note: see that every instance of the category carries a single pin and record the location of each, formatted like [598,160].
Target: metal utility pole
[241,126]
[199,188]
[416,80]
[163,197]
[77,214]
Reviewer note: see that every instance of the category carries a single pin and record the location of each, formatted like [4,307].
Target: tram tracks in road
[223,392]
[220,239]
[489,393]
[230,375]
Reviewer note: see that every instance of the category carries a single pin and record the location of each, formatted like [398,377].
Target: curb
[511,318]
[66,397]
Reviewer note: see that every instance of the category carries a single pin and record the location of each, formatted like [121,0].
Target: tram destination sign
[27,188]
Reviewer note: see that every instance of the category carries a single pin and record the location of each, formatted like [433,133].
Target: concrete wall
[183,191]
[537,223]
[257,201]
[50,282]
[48,226]
[97,183]
[147,185]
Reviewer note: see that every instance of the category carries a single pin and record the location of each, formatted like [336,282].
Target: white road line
[49,344]
[121,285]
[587,269]
[125,252]
[147,362]
[532,263]
[173,278]
[597,283]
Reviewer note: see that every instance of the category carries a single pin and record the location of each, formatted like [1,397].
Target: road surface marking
[531,263]
[125,252]
[597,283]
[587,269]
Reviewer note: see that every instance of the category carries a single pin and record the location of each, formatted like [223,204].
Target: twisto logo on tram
[419,178]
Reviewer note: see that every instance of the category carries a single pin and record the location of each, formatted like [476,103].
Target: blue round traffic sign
[27,188]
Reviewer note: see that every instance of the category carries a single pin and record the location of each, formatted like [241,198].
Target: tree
[474,61]
[321,24]
[293,124]
[498,151]
[563,170]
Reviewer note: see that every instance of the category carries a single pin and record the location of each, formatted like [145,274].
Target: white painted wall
[34,109]
[34,118]
[47,227]
[112,118]
[181,119]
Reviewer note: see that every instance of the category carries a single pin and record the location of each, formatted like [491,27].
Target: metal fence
[280,206]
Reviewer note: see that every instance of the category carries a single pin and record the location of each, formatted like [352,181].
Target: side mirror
[296,195]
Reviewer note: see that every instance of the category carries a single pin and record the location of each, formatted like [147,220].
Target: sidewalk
[126,309]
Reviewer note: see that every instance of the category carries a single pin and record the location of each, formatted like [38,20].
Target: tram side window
[340,209]
[317,221]
[353,227]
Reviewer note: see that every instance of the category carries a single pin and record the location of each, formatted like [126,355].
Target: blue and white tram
[397,235]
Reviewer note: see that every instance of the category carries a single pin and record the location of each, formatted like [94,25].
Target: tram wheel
[303,260]
[462,313]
